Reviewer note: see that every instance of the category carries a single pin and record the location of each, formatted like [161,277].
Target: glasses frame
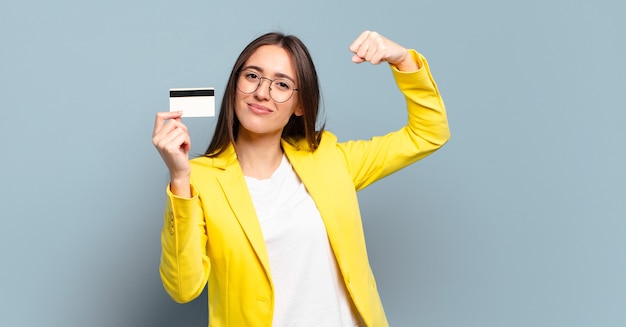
[260,80]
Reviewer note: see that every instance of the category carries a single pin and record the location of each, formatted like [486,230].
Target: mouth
[259,109]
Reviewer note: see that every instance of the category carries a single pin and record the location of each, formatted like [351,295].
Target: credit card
[193,102]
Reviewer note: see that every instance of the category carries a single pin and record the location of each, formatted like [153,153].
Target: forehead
[271,60]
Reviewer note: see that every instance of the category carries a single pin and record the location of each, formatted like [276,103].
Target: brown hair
[308,94]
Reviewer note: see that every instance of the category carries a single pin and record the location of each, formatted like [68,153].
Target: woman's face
[258,113]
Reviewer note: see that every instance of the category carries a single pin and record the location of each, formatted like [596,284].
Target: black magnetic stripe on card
[192,93]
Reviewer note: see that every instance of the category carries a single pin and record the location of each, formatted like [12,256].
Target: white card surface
[193,102]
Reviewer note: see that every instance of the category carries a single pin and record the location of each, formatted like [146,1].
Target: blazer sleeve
[184,266]
[425,132]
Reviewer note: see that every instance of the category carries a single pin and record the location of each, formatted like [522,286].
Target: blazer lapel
[236,191]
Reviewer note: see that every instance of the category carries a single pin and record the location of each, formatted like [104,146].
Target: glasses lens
[280,89]
[248,81]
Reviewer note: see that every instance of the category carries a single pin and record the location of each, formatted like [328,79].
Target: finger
[377,56]
[162,131]
[377,49]
[373,49]
[364,49]
[161,117]
[164,135]
[176,122]
[179,142]
[354,47]
[382,50]
[360,47]
[171,143]
[357,59]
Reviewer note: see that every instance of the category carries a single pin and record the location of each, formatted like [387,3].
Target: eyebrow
[260,70]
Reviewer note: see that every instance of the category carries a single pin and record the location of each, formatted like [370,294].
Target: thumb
[357,59]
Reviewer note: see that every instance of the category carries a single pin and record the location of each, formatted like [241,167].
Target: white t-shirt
[308,288]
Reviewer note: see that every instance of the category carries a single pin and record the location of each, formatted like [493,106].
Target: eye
[282,85]
[251,76]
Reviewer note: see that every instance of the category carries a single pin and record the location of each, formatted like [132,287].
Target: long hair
[308,94]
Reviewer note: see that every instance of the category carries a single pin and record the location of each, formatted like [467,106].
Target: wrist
[180,186]
[407,63]
[180,175]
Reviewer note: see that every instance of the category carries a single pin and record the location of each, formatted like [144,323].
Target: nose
[263,92]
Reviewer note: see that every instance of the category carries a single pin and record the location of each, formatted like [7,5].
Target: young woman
[269,217]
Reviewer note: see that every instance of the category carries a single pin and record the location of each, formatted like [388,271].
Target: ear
[299,111]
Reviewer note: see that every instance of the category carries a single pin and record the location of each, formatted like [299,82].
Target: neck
[258,157]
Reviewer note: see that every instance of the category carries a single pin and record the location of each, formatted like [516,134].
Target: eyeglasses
[281,89]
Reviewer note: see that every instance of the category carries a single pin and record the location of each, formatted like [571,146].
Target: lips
[259,109]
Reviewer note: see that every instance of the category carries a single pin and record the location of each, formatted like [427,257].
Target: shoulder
[205,165]
[220,162]
[328,140]
[203,168]
[202,162]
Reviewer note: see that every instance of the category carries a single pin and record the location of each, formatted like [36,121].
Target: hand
[375,48]
[172,140]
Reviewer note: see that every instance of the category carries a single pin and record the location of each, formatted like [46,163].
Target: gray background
[518,221]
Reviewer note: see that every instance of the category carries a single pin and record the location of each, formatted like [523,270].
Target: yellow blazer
[215,236]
